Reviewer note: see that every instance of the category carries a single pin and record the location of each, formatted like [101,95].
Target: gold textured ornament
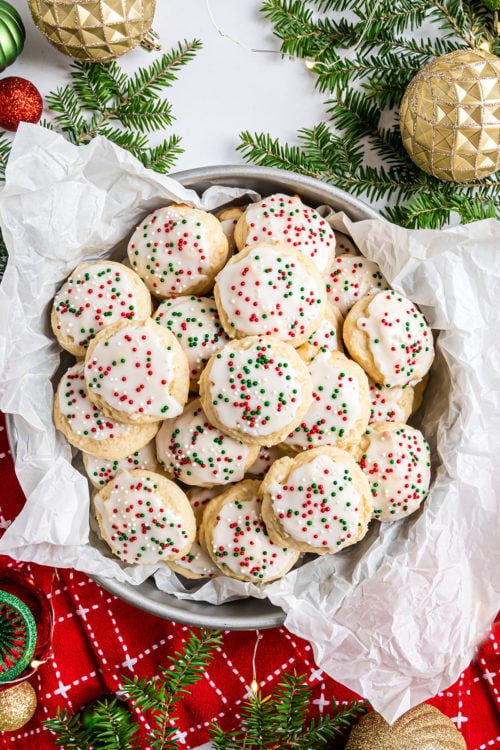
[421,727]
[450,116]
[96,30]
[17,706]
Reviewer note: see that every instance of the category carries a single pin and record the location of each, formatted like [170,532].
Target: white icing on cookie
[195,323]
[132,371]
[138,522]
[240,542]
[400,339]
[197,562]
[83,416]
[271,292]
[264,461]
[319,505]
[101,470]
[193,451]
[199,496]
[352,277]
[284,218]
[254,390]
[92,298]
[398,468]
[336,408]
[325,337]
[389,404]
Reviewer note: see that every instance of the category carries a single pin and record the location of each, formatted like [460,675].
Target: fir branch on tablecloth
[365,65]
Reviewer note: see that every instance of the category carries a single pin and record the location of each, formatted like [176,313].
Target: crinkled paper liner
[396,617]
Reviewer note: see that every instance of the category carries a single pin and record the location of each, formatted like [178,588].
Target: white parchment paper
[398,616]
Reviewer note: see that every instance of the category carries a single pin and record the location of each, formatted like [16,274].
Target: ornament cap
[151,41]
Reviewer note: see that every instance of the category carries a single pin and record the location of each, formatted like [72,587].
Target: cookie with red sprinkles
[145,518]
[317,502]
[389,337]
[137,372]
[195,564]
[352,277]
[235,536]
[86,426]
[390,404]
[396,460]
[327,337]
[100,471]
[178,250]
[228,219]
[193,451]
[285,219]
[256,389]
[95,296]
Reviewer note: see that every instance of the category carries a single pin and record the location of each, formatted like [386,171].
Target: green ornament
[12,34]
[17,636]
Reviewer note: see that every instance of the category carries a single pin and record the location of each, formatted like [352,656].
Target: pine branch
[5,148]
[69,731]
[163,157]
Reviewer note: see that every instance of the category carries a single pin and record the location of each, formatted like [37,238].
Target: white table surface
[229,87]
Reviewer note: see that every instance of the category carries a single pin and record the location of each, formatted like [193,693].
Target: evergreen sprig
[364,63]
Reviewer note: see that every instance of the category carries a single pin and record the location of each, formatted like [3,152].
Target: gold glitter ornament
[450,116]
[421,727]
[96,30]
[17,706]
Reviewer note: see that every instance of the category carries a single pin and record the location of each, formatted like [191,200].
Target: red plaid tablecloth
[98,638]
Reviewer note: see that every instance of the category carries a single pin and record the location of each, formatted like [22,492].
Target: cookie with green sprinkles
[100,471]
[86,427]
[145,518]
[352,277]
[397,463]
[318,502]
[256,389]
[137,372]
[390,404]
[235,536]
[195,564]
[95,296]
[193,451]
[390,338]
[178,250]
[327,337]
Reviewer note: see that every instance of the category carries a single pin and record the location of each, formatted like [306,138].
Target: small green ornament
[12,34]
[17,636]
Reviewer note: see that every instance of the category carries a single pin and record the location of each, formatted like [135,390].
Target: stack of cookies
[241,391]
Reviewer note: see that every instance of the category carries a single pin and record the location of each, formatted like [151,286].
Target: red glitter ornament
[20,101]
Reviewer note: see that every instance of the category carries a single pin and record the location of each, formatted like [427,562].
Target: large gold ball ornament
[421,727]
[17,706]
[450,116]
[96,30]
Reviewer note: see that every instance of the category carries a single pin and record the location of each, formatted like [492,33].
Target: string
[232,39]
[254,686]
[367,24]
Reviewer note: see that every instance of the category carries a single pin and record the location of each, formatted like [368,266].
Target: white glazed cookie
[178,250]
[235,537]
[390,338]
[256,389]
[86,427]
[100,471]
[195,564]
[390,404]
[265,459]
[144,517]
[199,496]
[137,372]
[344,245]
[350,278]
[195,452]
[285,219]
[194,321]
[317,502]
[96,295]
[228,219]
[340,407]
[396,461]
[326,338]
[270,289]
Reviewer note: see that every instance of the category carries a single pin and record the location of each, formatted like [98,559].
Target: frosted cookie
[317,502]
[100,471]
[178,250]
[195,564]
[326,338]
[195,452]
[86,427]
[397,463]
[285,219]
[350,278]
[137,372]
[199,496]
[344,245]
[194,321]
[270,289]
[390,404]
[340,407]
[235,537]
[418,394]
[265,459]
[144,518]
[96,295]
[390,338]
[228,219]
[256,389]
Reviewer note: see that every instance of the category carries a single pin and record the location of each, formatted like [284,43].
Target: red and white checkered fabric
[98,638]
